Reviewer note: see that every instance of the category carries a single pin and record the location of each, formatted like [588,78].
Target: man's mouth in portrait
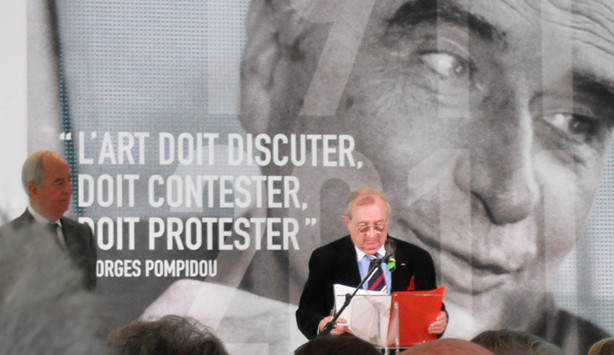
[473,263]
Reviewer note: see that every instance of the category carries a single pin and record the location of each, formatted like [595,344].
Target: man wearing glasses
[346,261]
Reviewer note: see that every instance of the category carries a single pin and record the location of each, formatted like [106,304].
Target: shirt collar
[361,254]
[40,219]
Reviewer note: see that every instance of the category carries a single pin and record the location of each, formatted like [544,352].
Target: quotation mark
[310,221]
[66,136]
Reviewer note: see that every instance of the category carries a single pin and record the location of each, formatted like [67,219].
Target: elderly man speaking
[346,261]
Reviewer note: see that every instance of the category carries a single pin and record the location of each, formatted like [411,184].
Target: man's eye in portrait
[448,66]
[575,127]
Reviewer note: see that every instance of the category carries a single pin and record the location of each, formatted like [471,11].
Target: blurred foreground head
[333,345]
[167,335]
[602,347]
[44,308]
[448,346]
[510,342]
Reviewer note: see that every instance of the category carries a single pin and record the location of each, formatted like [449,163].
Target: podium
[396,321]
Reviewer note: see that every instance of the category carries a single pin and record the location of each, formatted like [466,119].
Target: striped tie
[376,281]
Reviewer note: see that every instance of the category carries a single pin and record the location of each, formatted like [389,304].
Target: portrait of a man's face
[487,122]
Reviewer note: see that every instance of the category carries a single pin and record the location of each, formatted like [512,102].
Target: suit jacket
[336,263]
[80,244]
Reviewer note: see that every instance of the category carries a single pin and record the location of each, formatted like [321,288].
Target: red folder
[411,312]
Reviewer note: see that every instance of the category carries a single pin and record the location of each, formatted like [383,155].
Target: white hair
[31,171]
[364,194]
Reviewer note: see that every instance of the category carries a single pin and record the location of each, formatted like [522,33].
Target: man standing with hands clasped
[346,261]
[46,179]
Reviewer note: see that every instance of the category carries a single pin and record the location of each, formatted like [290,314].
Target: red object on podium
[411,312]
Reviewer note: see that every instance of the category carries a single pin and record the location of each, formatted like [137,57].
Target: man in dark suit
[346,261]
[46,179]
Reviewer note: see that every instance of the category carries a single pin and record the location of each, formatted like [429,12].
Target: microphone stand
[328,327]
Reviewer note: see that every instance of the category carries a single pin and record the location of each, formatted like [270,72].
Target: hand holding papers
[363,312]
[411,314]
[340,293]
[401,319]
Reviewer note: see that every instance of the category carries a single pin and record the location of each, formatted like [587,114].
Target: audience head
[333,345]
[602,347]
[447,346]
[515,342]
[43,307]
[46,178]
[168,335]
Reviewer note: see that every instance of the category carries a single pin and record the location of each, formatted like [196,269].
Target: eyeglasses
[378,228]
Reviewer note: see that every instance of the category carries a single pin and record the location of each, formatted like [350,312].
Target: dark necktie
[53,229]
[376,281]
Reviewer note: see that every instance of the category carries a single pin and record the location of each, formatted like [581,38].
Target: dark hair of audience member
[44,308]
[447,346]
[337,345]
[167,335]
[602,347]
[508,342]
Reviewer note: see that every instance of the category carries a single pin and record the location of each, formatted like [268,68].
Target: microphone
[391,248]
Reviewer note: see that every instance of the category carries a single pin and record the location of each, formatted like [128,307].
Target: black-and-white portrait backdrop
[213,144]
